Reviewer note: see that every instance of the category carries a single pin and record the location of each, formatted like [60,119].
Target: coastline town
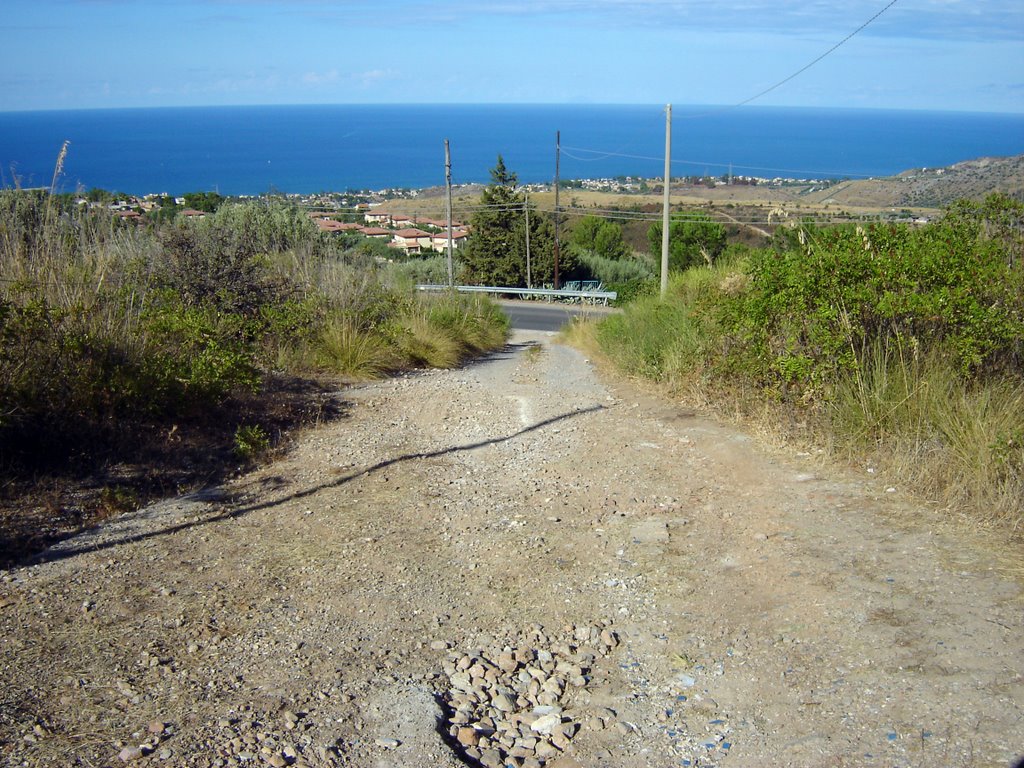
[408,234]
[363,212]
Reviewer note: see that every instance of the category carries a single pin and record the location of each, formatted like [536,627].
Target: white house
[439,240]
[411,240]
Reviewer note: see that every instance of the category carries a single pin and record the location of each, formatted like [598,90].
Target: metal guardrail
[603,296]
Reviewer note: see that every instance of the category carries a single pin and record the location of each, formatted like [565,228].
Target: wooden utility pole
[558,157]
[667,202]
[448,209]
[526,206]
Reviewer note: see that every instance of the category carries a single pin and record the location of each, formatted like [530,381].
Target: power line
[832,174]
[796,74]
[603,155]
[626,216]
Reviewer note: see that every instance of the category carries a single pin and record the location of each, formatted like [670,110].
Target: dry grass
[347,350]
[580,333]
[427,345]
[868,197]
[955,442]
[953,446]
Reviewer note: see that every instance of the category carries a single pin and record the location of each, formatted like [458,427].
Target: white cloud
[372,77]
[320,78]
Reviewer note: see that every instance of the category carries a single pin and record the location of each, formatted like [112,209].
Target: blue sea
[306,149]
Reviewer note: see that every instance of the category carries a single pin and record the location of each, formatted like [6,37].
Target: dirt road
[517,564]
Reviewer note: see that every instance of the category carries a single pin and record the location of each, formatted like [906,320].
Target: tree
[693,238]
[204,201]
[489,258]
[594,235]
[496,251]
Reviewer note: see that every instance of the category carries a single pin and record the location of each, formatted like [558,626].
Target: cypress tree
[496,252]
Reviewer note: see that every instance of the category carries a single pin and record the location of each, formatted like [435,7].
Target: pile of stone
[513,706]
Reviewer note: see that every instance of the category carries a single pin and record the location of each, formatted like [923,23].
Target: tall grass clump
[646,336]
[670,342]
[899,345]
[445,329]
[345,348]
[958,440]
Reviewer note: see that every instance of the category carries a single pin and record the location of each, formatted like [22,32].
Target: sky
[965,55]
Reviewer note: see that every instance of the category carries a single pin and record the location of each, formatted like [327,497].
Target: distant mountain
[935,187]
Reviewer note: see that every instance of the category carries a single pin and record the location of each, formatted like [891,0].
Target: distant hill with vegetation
[934,187]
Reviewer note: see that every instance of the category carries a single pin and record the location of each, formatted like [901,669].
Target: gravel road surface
[517,563]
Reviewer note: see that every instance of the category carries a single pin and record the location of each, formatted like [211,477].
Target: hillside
[920,189]
[933,187]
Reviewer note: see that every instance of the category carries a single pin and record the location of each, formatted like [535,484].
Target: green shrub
[107,328]
[251,441]
[431,270]
[618,270]
[198,354]
[694,239]
[597,237]
[898,342]
[810,313]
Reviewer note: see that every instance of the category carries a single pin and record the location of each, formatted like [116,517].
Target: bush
[251,442]
[107,327]
[196,355]
[811,313]
[621,270]
[694,239]
[431,270]
[898,343]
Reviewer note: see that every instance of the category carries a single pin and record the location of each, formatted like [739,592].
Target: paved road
[542,316]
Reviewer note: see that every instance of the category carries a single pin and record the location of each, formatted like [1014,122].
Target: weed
[533,353]
[251,442]
[117,499]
